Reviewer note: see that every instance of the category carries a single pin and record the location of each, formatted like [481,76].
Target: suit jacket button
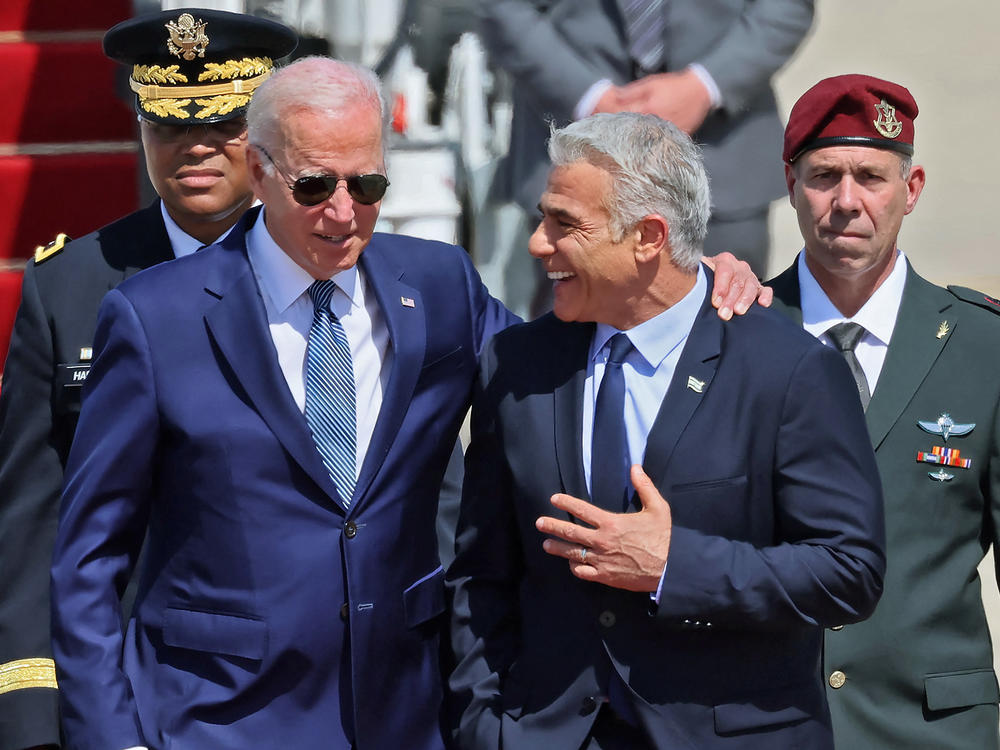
[588,706]
[350,529]
[344,611]
[837,680]
[607,619]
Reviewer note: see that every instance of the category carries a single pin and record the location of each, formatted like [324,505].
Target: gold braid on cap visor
[225,97]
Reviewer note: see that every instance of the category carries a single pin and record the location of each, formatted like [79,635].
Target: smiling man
[919,673]
[688,613]
[277,411]
[194,138]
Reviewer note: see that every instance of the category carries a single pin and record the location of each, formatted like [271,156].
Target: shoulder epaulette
[976,298]
[44,252]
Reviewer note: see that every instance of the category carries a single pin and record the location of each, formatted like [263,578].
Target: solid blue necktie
[330,395]
[609,458]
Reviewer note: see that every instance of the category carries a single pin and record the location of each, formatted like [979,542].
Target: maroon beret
[851,110]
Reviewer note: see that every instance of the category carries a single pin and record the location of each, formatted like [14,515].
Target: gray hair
[655,169]
[311,84]
[905,165]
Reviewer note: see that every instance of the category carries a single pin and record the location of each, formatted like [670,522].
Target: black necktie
[845,337]
[609,457]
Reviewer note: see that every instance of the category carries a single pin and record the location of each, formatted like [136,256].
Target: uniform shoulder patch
[976,298]
[44,252]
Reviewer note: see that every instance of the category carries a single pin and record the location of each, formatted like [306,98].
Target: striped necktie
[330,396]
[644,27]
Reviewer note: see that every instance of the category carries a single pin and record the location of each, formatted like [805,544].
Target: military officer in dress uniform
[919,673]
[193,73]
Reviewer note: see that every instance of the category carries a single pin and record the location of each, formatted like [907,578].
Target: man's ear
[255,169]
[790,181]
[653,237]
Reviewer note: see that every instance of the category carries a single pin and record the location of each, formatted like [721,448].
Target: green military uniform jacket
[918,675]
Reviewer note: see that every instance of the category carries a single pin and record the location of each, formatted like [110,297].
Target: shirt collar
[655,338]
[284,280]
[877,315]
[182,242]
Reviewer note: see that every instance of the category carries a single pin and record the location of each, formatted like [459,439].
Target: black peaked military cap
[193,65]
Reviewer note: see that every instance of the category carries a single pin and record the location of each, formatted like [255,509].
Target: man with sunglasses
[193,73]
[278,411]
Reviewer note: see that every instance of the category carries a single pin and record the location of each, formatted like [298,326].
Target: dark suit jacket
[777,533]
[267,616]
[920,671]
[556,49]
[39,406]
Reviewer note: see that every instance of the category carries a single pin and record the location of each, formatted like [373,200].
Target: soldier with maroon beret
[919,673]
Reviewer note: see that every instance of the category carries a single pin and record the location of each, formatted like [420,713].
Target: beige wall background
[948,56]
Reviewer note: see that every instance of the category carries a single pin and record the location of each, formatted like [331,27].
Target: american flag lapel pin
[407,302]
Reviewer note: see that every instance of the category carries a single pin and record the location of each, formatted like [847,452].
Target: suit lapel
[238,325]
[915,345]
[787,296]
[570,364]
[155,247]
[691,381]
[913,349]
[402,308]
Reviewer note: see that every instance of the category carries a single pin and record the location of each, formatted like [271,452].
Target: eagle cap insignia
[887,125]
[187,37]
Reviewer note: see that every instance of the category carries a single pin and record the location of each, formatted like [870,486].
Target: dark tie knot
[320,291]
[845,336]
[620,347]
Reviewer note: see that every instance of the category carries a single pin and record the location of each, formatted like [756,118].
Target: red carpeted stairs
[68,155]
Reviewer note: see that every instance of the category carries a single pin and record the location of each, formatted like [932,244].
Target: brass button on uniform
[607,619]
[837,680]
[344,611]
[350,529]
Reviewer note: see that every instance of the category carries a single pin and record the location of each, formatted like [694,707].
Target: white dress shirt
[283,285]
[877,315]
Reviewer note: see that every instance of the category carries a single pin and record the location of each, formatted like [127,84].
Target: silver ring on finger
[583,554]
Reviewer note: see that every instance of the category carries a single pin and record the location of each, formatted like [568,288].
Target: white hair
[655,169]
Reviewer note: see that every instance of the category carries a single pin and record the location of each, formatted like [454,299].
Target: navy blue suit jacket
[761,450]
[266,616]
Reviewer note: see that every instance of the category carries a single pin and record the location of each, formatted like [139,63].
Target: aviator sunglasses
[312,190]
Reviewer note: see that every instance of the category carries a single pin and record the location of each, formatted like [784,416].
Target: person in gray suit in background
[705,66]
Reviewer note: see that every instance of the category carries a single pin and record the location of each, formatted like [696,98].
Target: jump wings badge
[940,475]
[187,37]
[945,426]
[887,125]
